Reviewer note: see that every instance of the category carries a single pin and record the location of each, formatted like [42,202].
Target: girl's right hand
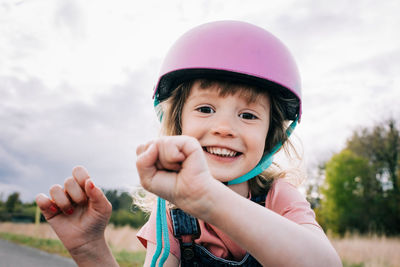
[175,169]
[78,213]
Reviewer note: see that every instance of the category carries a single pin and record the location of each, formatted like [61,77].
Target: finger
[169,166]
[59,197]
[143,147]
[170,156]
[97,200]
[47,207]
[74,191]
[81,175]
[145,164]
[190,145]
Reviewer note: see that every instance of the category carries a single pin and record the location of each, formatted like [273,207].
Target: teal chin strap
[158,110]
[162,234]
[265,161]
[161,219]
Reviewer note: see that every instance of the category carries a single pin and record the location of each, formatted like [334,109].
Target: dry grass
[368,251]
[354,250]
[122,238]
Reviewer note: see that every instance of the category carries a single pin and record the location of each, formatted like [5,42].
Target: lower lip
[222,159]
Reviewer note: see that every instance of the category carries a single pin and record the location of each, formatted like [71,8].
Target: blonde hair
[171,110]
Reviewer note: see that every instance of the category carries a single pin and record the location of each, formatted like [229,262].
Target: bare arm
[272,239]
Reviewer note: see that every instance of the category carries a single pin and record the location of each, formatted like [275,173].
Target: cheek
[258,142]
[185,125]
[188,126]
[184,122]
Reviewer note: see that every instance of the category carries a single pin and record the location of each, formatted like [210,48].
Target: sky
[76,78]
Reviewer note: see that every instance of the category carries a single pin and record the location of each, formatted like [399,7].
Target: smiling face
[231,128]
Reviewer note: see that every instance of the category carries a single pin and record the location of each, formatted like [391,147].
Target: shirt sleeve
[284,199]
[148,233]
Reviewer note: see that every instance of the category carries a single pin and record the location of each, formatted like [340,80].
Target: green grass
[124,258]
[49,245]
[346,264]
[127,258]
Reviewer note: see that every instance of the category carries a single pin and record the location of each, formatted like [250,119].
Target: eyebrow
[207,93]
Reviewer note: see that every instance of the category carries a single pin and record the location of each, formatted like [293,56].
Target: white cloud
[44,136]
[75,81]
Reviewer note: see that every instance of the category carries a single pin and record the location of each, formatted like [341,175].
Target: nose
[224,126]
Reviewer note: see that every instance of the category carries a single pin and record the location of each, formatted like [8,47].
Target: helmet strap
[161,234]
[265,161]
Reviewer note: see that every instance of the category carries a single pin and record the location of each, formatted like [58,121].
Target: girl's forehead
[222,89]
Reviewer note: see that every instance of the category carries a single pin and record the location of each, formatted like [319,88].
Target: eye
[248,116]
[205,109]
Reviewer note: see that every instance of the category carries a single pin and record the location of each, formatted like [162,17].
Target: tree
[12,202]
[119,200]
[361,188]
[124,212]
[381,146]
[112,196]
[343,203]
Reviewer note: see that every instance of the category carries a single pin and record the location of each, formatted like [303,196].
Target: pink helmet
[234,50]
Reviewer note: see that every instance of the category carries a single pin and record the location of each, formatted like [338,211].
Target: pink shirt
[283,198]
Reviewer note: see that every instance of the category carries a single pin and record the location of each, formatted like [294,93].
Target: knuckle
[194,140]
[77,168]
[69,181]
[55,188]
[139,164]
[108,206]
[139,149]
[80,172]
[145,184]
[63,205]
[80,199]
[59,197]
[191,139]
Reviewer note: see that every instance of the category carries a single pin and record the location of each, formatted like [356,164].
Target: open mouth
[221,152]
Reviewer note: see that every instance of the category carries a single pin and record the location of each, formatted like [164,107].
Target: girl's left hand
[174,168]
[79,213]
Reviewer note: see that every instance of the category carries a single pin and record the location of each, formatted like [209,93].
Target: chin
[224,178]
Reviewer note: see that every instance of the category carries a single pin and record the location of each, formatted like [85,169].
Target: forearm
[95,253]
[272,239]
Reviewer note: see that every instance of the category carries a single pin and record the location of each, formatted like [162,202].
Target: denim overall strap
[186,230]
[259,199]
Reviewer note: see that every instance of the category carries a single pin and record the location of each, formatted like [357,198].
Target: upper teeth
[221,151]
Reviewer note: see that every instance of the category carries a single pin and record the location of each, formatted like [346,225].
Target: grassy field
[355,251]
[121,238]
[368,251]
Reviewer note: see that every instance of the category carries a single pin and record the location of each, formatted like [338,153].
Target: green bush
[125,217]
[123,212]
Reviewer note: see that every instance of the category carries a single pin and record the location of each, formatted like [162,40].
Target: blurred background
[76,81]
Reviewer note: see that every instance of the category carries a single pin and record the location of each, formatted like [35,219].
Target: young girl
[225,94]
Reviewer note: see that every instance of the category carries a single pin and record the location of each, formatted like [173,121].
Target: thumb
[97,200]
